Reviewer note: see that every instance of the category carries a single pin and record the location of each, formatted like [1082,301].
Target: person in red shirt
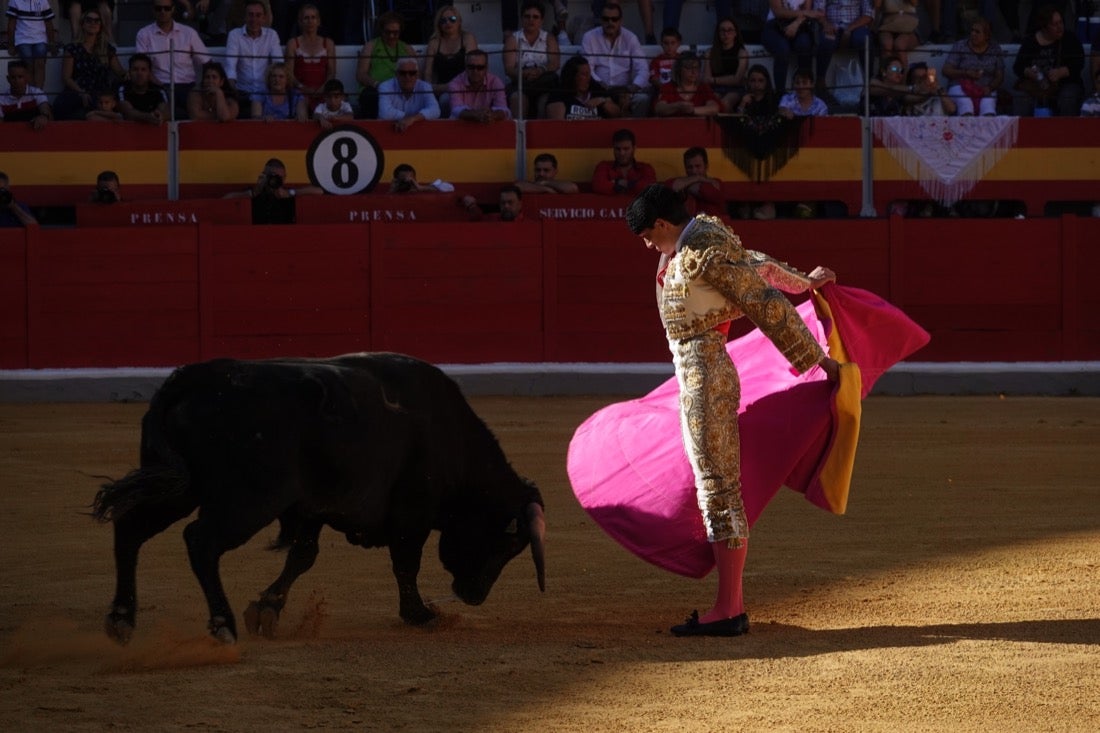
[702,193]
[624,174]
[660,67]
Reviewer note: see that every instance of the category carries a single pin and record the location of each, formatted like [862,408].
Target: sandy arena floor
[961,592]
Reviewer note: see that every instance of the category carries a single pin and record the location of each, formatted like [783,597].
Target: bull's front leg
[405,556]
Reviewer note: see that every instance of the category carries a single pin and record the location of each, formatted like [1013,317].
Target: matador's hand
[820,276]
[831,368]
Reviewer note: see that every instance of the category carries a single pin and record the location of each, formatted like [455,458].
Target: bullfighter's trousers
[710,393]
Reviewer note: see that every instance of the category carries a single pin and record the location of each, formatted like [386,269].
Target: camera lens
[5,197]
[274,181]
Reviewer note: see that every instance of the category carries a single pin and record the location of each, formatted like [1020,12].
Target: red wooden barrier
[394,208]
[13,297]
[279,290]
[165,213]
[105,297]
[550,290]
[464,292]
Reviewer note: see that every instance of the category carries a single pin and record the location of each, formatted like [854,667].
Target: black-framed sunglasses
[406,72]
[476,67]
[91,19]
[163,8]
[611,19]
[449,19]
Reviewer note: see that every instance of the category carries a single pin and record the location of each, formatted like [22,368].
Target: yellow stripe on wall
[81,168]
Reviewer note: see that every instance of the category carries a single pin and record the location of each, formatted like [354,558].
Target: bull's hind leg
[300,537]
[207,540]
[132,529]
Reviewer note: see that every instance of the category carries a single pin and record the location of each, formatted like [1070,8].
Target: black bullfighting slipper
[734,626]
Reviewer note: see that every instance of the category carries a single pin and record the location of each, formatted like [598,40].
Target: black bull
[381,447]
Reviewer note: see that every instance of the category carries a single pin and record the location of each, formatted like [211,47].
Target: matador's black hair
[655,202]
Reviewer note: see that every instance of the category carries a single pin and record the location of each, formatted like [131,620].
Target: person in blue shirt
[406,98]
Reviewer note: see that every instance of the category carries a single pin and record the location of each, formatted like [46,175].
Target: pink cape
[627,462]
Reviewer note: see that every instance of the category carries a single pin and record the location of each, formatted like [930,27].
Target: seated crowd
[610,75]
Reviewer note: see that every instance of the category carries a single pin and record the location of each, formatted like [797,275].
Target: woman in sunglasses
[89,65]
[378,61]
[445,54]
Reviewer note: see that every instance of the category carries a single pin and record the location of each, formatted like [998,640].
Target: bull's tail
[141,487]
[163,476]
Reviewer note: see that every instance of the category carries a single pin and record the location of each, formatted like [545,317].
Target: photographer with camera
[106,189]
[12,213]
[272,201]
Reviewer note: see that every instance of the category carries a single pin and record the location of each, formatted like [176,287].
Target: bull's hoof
[418,616]
[119,627]
[262,619]
[221,630]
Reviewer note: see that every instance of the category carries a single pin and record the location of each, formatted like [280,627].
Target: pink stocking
[731,563]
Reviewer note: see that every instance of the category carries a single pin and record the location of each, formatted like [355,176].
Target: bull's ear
[512,527]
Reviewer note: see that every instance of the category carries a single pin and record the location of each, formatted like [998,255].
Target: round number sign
[344,160]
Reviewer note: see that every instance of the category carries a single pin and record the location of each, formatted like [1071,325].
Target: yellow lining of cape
[836,467]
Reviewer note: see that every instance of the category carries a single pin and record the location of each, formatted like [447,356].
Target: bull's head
[475,549]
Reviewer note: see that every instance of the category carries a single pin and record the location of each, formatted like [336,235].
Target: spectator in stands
[23,102]
[581,97]
[760,105]
[445,54]
[209,18]
[702,193]
[107,189]
[618,61]
[12,212]
[335,110]
[849,22]
[1091,106]
[796,27]
[509,206]
[141,99]
[685,95]
[280,101]
[1048,68]
[545,177]
[272,201]
[896,22]
[749,15]
[623,174]
[189,52]
[533,54]
[949,28]
[406,99]
[106,107]
[378,61]
[31,34]
[645,10]
[213,101]
[249,51]
[477,95]
[760,97]
[975,68]
[801,102]
[76,10]
[888,90]
[926,98]
[727,62]
[404,181]
[310,57]
[88,66]
[660,66]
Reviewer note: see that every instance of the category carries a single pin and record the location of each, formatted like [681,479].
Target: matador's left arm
[786,278]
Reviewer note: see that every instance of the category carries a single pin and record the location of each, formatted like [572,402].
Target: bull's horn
[537,523]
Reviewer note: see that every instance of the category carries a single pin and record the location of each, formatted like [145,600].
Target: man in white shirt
[249,50]
[406,99]
[188,52]
[618,61]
